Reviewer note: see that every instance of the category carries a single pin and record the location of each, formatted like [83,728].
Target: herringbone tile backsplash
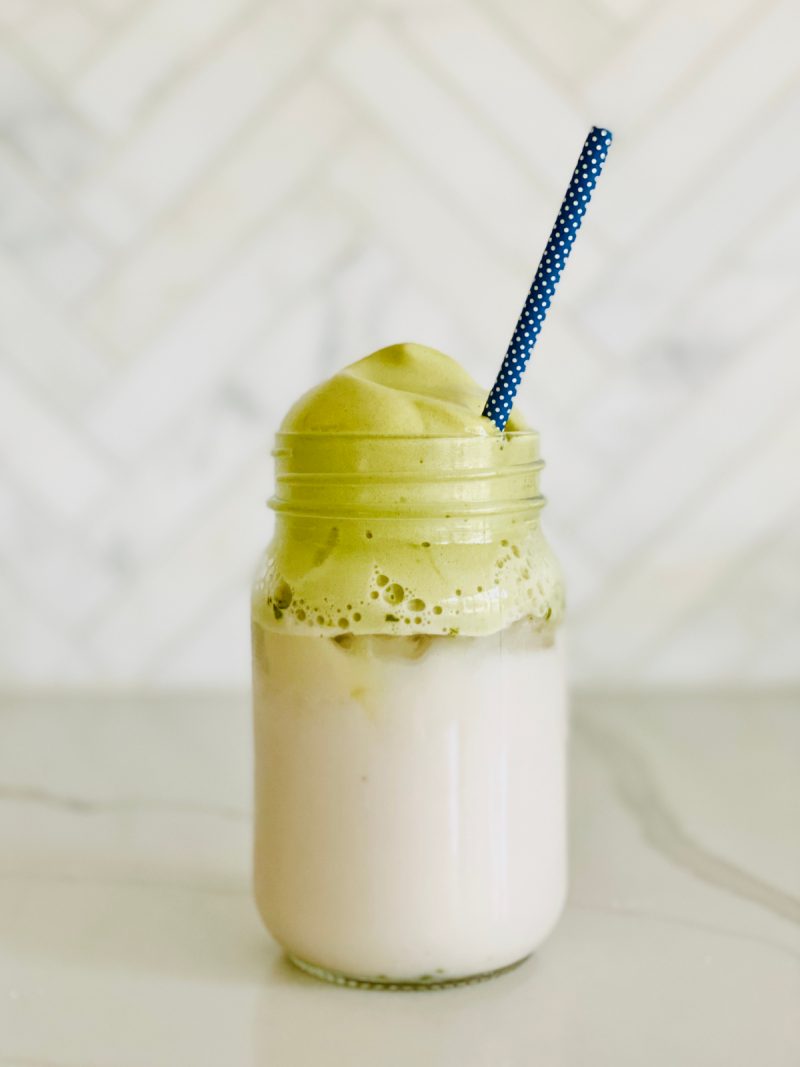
[207,205]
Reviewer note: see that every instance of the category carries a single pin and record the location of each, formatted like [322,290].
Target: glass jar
[410,710]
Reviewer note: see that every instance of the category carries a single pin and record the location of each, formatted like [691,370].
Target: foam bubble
[386,599]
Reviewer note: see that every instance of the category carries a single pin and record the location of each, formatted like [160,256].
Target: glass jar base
[424,982]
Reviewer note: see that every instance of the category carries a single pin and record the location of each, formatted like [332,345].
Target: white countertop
[128,936]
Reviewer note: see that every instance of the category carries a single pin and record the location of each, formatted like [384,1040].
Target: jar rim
[406,475]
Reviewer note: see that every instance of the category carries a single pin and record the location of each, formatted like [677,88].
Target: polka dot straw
[559,245]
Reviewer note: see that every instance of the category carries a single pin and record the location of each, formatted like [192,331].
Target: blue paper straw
[573,208]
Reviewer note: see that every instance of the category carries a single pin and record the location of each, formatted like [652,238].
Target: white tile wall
[205,206]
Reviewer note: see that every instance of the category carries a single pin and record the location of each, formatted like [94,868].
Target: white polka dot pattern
[579,193]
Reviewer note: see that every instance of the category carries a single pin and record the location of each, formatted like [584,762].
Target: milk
[410,800]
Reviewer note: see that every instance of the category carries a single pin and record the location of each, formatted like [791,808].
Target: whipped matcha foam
[401,390]
[401,509]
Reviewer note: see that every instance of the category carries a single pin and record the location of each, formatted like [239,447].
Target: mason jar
[410,709]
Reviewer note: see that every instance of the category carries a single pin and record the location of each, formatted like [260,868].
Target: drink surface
[403,390]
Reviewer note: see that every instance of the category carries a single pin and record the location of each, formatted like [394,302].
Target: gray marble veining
[128,932]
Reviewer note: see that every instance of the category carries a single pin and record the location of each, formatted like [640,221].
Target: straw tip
[601,133]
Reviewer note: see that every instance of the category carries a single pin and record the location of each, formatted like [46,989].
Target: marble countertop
[128,937]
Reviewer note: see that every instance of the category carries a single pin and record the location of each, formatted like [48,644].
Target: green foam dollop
[401,509]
